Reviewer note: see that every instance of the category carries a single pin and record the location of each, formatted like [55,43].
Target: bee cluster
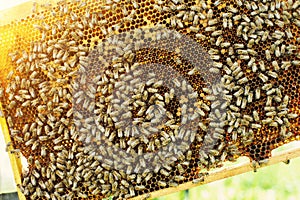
[125,97]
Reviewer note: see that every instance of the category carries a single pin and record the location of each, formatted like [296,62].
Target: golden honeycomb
[125,97]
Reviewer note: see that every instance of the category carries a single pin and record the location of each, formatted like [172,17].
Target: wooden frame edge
[225,172]
[14,158]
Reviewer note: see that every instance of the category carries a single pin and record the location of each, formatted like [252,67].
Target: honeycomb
[125,97]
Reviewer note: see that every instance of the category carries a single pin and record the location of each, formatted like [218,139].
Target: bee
[273,74]
[88,175]
[283,130]
[239,92]
[270,23]
[271,91]
[296,5]
[267,86]
[10,75]
[269,101]
[277,52]
[268,55]
[278,120]
[255,116]
[282,113]
[179,178]
[271,113]
[245,17]
[73,49]
[255,126]
[216,33]
[194,29]
[286,122]
[215,57]
[263,77]
[244,57]
[277,99]
[296,62]
[267,121]
[279,23]
[9,121]
[285,100]
[244,102]
[265,36]
[251,62]
[275,65]
[292,115]
[33,180]
[15,151]
[225,44]
[198,180]
[232,9]
[242,80]
[58,148]
[214,70]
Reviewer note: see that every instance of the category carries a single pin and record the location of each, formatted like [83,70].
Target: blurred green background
[276,182]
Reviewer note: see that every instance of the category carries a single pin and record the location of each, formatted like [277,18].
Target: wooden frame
[226,172]
[15,159]
[25,9]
